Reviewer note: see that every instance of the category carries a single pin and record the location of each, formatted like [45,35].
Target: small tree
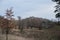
[9,14]
[20,24]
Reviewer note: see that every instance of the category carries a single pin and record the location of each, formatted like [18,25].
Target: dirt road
[13,37]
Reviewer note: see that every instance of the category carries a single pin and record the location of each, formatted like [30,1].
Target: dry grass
[35,34]
[42,34]
[13,37]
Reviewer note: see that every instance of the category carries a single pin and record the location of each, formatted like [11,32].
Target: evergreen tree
[57,11]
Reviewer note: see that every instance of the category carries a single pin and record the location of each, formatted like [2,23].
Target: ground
[34,34]
[13,37]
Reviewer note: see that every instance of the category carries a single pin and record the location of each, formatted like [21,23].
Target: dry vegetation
[43,34]
[34,34]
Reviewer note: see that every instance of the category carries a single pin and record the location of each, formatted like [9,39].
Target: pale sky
[27,8]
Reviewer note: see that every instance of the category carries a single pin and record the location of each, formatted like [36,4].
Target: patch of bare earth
[13,37]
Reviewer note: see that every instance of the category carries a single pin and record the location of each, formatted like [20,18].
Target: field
[13,37]
[34,34]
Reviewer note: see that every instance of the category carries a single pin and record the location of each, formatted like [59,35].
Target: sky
[27,8]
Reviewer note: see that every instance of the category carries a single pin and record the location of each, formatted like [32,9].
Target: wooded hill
[35,22]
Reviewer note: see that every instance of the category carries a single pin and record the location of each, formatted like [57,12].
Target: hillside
[37,22]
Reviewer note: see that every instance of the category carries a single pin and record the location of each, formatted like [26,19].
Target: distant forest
[30,22]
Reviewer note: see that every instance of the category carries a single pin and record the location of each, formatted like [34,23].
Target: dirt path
[13,37]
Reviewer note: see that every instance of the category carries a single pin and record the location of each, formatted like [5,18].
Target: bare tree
[9,14]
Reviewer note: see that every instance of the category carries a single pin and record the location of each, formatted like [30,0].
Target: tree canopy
[57,11]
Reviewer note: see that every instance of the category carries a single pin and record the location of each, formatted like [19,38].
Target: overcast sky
[27,8]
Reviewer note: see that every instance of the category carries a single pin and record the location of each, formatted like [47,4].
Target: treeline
[31,22]
[35,22]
